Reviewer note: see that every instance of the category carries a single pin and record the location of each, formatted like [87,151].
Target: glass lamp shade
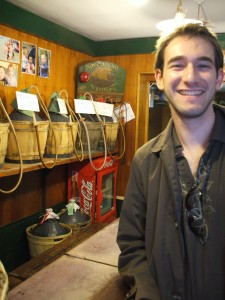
[171,24]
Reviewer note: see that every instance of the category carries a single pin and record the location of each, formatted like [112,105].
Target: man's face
[189,78]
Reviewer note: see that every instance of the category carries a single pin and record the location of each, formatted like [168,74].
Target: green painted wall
[20,19]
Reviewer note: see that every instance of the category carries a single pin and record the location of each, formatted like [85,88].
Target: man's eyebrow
[181,57]
[206,58]
[175,58]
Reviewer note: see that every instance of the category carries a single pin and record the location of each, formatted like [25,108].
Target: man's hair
[189,30]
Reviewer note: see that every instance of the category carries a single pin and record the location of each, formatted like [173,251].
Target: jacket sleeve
[133,265]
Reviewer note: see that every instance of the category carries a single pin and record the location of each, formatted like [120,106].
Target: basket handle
[44,108]
[39,146]
[123,135]
[124,141]
[20,155]
[88,138]
[122,129]
[74,119]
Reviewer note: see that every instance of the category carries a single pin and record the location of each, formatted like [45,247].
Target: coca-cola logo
[87,193]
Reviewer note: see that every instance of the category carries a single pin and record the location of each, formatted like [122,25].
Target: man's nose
[190,73]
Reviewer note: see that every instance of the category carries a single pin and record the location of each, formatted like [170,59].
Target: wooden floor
[83,267]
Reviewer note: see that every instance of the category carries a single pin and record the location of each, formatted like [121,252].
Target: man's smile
[190,92]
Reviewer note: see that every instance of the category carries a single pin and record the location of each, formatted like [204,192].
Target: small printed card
[124,112]
[62,106]
[89,107]
[26,101]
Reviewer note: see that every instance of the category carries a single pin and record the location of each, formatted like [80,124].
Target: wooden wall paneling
[63,68]
[56,186]
[26,200]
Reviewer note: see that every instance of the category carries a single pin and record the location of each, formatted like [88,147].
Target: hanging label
[62,106]
[26,101]
[89,107]
[124,112]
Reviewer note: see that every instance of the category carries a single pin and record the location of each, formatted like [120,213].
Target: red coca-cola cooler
[94,188]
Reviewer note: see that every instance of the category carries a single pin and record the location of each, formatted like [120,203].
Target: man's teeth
[191,93]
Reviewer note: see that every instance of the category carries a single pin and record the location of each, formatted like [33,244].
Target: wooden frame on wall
[142,113]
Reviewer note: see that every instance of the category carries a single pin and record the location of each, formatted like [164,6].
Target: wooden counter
[82,268]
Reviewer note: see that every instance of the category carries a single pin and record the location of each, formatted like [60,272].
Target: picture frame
[44,58]
[9,49]
[28,61]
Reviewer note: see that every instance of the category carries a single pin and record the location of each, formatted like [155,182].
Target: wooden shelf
[10,169]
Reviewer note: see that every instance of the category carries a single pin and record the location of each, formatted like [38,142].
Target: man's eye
[177,66]
[204,66]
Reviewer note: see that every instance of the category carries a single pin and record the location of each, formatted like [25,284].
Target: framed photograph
[28,64]
[9,49]
[44,57]
[8,73]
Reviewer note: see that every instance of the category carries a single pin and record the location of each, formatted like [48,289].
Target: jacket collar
[164,137]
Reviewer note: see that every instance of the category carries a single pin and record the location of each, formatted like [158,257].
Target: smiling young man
[172,223]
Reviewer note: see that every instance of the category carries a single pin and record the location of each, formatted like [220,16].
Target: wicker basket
[38,245]
[65,142]
[26,135]
[76,221]
[4,132]
[4,283]
[92,136]
[111,132]
[77,227]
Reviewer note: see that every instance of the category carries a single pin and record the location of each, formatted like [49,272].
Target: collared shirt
[212,209]
[189,183]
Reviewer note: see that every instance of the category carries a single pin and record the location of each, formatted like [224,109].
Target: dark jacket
[154,259]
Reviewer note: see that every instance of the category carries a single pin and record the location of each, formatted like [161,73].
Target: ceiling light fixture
[201,13]
[179,19]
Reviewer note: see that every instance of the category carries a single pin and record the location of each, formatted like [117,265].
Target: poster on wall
[8,73]
[9,49]
[44,57]
[104,80]
[28,64]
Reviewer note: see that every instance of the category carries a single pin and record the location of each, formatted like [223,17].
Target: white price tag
[86,107]
[62,106]
[124,111]
[83,106]
[104,109]
[26,101]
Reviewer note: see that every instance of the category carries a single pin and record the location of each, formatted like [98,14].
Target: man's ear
[158,79]
[219,80]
